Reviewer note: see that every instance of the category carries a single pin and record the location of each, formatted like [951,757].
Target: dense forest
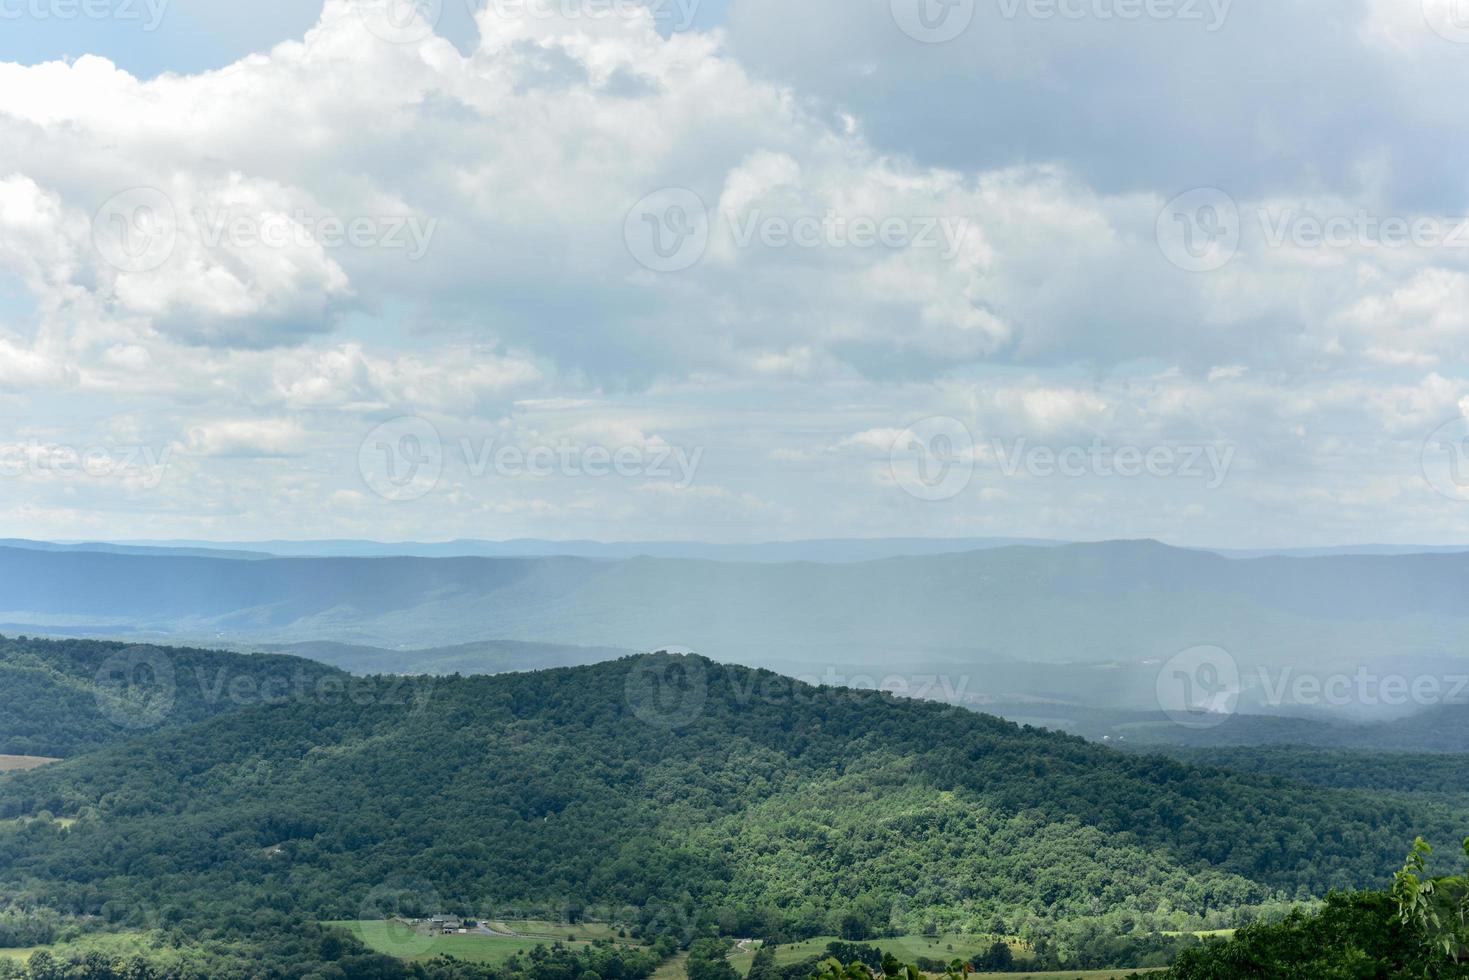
[693,799]
[1430,773]
[62,697]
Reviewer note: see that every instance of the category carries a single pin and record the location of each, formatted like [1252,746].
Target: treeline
[1080,950]
[1356,936]
[20,928]
[1417,931]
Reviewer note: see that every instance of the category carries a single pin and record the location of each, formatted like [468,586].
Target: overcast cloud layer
[1077,269]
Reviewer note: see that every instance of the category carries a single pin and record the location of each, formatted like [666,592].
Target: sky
[1195,270]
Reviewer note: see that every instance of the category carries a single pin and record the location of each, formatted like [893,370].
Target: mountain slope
[677,784]
[59,698]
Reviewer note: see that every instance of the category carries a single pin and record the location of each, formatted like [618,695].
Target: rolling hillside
[674,780]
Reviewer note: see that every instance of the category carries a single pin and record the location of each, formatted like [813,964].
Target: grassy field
[493,950]
[380,936]
[784,955]
[64,823]
[946,948]
[1207,934]
[16,763]
[673,969]
[544,928]
[400,941]
[21,953]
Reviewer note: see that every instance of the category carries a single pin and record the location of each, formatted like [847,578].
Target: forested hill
[675,783]
[61,697]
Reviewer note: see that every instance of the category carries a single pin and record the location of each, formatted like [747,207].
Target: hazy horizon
[1409,546]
